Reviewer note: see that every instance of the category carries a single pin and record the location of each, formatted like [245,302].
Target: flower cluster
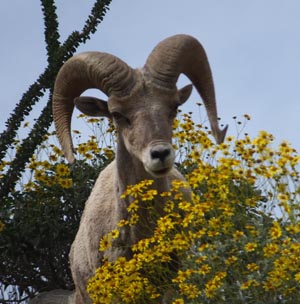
[237,240]
[47,167]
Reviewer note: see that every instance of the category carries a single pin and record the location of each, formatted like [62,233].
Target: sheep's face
[144,125]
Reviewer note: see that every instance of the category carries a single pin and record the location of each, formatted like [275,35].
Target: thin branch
[51,29]
[96,16]
[28,100]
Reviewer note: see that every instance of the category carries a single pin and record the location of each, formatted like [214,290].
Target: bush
[40,218]
[236,241]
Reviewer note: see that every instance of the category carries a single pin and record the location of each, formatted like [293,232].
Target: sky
[253,49]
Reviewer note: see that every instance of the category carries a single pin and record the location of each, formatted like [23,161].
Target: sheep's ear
[184,93]
[92,106]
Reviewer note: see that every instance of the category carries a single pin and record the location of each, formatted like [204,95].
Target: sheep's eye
[119,118]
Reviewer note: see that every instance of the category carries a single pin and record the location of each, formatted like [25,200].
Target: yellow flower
[248,284]
[178,301]
[275,230]
[53,157]
[123,223]
[82,149]
[214,284]
[169,206]
[88,155]
[214,223]
[165,194]
[294,229]
[149,195]
[191,291]
[165,224]
[252,267]
[297,277]
[238,234]
[283,197]
[142,245]
[203,247]
[180,241]
[33,165]
[204,269]
[29,186]
[133,219]
[227,209]
[56,150]
[231,260]
[39,175]
[182,276]
[62,170]
[105,243]
[109,153]
[250,247]
[185,206]
[270,249]
[115,233]
[65,182]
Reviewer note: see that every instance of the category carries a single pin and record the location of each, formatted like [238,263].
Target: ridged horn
[184,54]
[86,71]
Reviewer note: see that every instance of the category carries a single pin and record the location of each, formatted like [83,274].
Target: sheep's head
[142,103]
[143,121]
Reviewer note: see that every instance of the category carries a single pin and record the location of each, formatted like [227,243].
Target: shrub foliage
[236,241]
[39,221]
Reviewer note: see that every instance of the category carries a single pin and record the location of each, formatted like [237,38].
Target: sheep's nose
[160,153]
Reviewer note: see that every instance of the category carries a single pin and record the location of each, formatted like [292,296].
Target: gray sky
[253,48]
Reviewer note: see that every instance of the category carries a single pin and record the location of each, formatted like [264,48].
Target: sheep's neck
[130,172]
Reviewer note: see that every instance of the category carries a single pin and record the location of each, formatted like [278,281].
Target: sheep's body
[101,215]
[142,104]
[85,256]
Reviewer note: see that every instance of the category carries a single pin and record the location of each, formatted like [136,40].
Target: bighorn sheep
[142,104]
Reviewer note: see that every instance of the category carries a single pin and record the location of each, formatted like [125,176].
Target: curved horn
[85,71]
[184,54]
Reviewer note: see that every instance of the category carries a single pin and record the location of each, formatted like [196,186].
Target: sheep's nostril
[161,154]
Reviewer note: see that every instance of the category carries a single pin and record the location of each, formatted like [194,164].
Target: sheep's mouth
[161,172]
[158,171]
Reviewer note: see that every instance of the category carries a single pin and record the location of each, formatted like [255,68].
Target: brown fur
[104,208]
